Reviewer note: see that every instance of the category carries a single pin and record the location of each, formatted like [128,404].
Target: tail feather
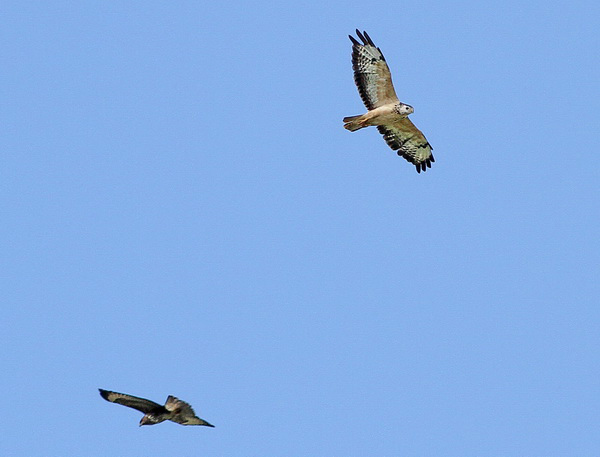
[353,123]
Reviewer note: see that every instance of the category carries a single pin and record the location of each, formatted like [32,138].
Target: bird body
[378,116]
[174,409]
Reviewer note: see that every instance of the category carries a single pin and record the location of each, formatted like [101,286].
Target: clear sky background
[183,213]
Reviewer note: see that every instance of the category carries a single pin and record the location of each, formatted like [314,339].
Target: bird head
[406,109]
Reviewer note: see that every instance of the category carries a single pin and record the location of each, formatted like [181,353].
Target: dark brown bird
[174,409]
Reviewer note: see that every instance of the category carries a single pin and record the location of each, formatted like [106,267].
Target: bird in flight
[174,409]
[374,81]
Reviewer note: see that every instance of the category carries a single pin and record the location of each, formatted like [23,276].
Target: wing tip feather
[369,40]
[364,37]
[423,165]
[104,394]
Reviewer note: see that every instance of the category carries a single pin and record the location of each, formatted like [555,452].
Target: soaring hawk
[174,410]
[374,81]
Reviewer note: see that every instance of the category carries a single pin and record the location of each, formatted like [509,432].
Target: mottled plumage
[374,81]
[174,409]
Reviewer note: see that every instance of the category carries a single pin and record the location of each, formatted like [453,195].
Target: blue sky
[184,214]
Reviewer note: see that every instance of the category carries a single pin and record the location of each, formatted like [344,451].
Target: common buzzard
[174,409]
[374,81]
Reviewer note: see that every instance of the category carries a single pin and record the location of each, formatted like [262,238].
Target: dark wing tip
[423,166]
[369,40]
[364,36]
[361,36]
[420,166]
[104,394]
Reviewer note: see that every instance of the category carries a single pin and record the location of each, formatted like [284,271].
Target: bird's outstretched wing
[183,413]
[371,73]
[141,404]
[402,136]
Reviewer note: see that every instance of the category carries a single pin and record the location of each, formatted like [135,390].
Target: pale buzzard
[174,410]
[374,81]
